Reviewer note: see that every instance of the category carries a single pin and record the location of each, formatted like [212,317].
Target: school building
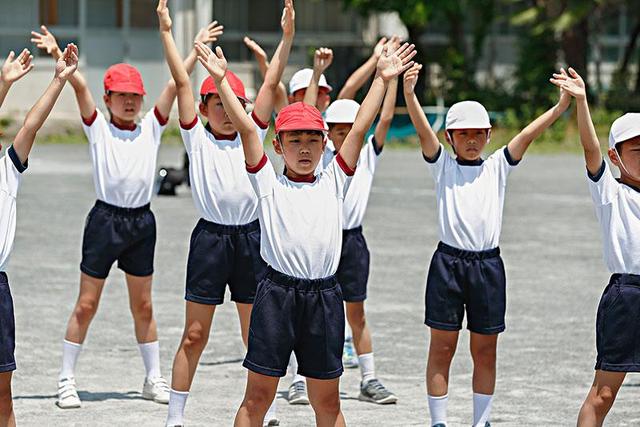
[110,31]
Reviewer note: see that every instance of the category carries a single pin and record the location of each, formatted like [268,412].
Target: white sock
[177,402]
[367,367]
[271,412]
[151,357]
[70,353]
[293,369]
[481,408]
[438,409]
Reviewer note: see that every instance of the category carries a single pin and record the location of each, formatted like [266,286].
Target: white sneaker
[298,394]
[156,389]
[68,394]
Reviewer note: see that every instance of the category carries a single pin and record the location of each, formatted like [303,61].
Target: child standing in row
[467,272]
[225,244]
[12,165]
[617,206]
[121,225]
[299,303]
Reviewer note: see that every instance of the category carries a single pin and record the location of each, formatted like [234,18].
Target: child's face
[218,119]
[123,105]
[468,143]
[322,102]
[630,154]
[301,150]
[338,132]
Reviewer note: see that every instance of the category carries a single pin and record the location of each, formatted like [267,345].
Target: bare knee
[195,339]
[142,311]
[601,401]
[328,404]
[85,310]
[357,320]
[484,356]
[256,402]
[441,352]
[6,402]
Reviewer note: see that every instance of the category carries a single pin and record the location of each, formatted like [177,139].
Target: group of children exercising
[289,246]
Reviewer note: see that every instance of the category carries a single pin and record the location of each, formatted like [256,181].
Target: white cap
[342,111]
[302,78]
[624,128]
[467,115]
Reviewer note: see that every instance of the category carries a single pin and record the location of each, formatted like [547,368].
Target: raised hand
[215,63]
[377,50]
[254,47]
[164,18]
[44,40]
[411,78]
[288,20]
[322,59]
[15,68]
[570,83]
[210,33]
[394,62]
[68,62]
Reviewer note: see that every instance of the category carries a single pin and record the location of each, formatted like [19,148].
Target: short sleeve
[193,134]
[95,127]
[11,171]
[261,127]
[438,164]
[503,162]
[262,177]
[154,120]
[369,156]
[603,186]
[340,175]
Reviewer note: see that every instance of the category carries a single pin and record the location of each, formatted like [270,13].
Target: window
[143,14]
[60,12]
[104,13]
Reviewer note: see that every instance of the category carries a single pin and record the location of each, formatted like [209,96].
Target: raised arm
[360,76]
[216,64]
[13,70]
[428,138]
[519,144]
[47,41]
[186,101]
[573,84]
[391,64]
[267,94]
[322,59]
[386,114]
[65,67]
[206,35]
[280,100]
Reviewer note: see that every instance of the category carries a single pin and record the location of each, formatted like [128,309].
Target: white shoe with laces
[156,389]
[68,394]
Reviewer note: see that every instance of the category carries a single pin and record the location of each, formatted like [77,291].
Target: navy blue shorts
[301,315]
[460,279]
[353,271]
[617,325]
[127,235]
[7,327]
[221,255]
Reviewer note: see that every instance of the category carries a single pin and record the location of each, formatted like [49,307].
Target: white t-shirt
[618,210]
[301,222]
[10,173]
[355,202]
[220,186]
[470,198]
[124,161]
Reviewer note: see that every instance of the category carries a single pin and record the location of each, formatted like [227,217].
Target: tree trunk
[630,47]
[421,57]
[575,43]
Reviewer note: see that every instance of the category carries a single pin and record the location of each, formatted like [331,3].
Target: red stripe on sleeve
[344,166]
[91,119]
[260,123]
[162,120]
[189,126]
[259,166]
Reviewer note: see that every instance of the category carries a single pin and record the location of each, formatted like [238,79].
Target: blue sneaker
[349,356]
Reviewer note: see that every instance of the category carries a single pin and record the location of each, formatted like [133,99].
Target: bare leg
[361,335]
[324,396]
[442,347]
[141,308]
[260,391]
[85,309]
[244,314]
[483,352]
[7,417]
[600,398]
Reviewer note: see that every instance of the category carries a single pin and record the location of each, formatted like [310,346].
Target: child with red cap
[225,243]
[121,225]
[12,165]
[298,304]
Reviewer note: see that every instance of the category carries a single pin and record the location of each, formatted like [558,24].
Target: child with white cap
[617,205]
[466,271]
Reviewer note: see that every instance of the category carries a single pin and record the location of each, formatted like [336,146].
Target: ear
[448,136]
[204,110]
[613,156]
[107,100]
[291,99]
[324,143]
[488,136]
[277,147]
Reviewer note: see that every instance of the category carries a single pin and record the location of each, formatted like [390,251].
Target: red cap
[299,116]
[209,86]
[123,78]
